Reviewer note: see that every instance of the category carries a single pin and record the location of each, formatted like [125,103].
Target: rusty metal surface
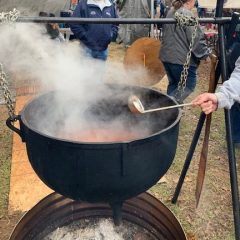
[143,210]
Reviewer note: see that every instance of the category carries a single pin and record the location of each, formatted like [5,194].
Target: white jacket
[229,92]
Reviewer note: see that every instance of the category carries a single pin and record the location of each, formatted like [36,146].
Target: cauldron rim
[143,139]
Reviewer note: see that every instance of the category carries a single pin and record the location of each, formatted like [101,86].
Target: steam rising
[26,48]
[27,51]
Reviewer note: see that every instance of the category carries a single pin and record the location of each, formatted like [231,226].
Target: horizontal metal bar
[220,20]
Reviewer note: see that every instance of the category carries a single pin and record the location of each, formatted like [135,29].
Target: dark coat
[95,36]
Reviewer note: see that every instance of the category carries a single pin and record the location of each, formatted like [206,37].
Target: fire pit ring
[55,211]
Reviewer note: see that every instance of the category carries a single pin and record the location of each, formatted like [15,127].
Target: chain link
[6,93]
[7,18]
[182,21]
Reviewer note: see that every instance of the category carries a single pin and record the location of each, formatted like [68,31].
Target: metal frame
[216,20]
[221,70]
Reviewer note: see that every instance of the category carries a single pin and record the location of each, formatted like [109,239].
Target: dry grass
[5,159]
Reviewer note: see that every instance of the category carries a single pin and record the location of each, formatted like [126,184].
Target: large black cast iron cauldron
[100,172]
[55,211]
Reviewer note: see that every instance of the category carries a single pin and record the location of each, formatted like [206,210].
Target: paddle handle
[168,107]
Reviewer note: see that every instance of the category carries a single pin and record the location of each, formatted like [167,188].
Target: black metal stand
[231,156]
[189,157]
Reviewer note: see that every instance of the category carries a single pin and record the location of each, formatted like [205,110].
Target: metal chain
[7,18]
[182,21]
[6,93]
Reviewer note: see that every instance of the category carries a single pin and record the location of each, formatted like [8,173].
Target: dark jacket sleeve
[79,30]
[115,27]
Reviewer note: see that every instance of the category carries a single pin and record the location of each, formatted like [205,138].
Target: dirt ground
[212,219]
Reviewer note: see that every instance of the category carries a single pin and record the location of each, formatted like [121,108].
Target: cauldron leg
[117,212]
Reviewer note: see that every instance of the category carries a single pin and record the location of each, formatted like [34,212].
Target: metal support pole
[231,155]
[232,28]
[193,144]
[222,20]
[189,157]
[233,175]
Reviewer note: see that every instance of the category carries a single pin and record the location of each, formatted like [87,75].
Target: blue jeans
[174,75]
[102,55]
[235,122]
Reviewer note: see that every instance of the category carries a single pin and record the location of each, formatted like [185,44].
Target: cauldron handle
[9,123]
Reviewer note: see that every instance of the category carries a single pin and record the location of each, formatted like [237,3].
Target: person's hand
[207,101]
[54,26]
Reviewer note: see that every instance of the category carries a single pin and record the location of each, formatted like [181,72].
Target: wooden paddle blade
[204,152]
[203,160]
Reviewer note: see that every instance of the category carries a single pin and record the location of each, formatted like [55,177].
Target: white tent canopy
[33,7]
[212,3]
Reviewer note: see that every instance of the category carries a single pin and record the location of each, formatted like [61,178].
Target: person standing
[175,47]
[155,6]
[52,28]
[94,37]
[162,8]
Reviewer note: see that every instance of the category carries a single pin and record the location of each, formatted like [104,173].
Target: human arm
[225,95]
[207,101]
[229,92]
